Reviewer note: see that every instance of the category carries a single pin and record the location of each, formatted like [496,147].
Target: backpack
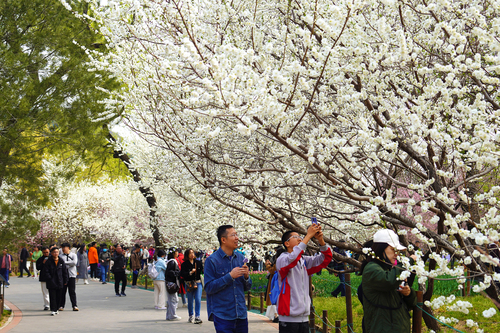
[275,289]
[152,272]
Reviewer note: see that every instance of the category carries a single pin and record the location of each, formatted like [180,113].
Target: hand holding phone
[314,220]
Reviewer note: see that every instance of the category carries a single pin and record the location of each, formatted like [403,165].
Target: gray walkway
[101,310]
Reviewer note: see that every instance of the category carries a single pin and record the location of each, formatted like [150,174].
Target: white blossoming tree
[362,113]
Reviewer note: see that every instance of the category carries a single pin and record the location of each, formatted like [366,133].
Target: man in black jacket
[23,259]
[56,276]
[120,262]
[40,266]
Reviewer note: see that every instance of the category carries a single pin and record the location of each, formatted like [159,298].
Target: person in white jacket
[294,270]
[71,260]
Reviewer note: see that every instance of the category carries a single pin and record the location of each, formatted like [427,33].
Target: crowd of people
[386,300]
[60,268]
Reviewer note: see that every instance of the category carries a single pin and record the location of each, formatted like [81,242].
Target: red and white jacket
[294,270]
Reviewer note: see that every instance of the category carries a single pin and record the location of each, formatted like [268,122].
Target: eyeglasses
[232,235]
[294,236]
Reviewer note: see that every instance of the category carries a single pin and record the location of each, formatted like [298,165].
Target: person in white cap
[386,299]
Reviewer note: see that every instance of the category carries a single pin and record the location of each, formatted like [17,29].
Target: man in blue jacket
[226,280]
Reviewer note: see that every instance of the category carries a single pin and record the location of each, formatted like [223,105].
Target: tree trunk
[146,191]
[430,322]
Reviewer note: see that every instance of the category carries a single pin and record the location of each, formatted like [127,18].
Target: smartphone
[314,220]
[402,285]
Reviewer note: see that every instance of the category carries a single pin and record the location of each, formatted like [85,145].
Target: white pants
[45,294]
[35,273]
[160,293]
[172,301]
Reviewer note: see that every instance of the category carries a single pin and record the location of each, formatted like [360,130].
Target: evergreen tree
[50,102]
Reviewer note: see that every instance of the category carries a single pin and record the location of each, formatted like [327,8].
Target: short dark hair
[160,253]
[44,248]
[286,237]
[53,249]
[222,231]
[103,245]
[65,245]
[137,246]
[93,243]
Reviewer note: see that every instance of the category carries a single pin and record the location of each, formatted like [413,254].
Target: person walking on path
[191,271]
[151,253]
[5,266]
[135,264]
[104,259]
[294,270]
[40,266]
[386,299]
[119,265]
[34,257]
[339,266]
[160,287]
[93,261]
[23,259]
[182,285]
[172,277]
[56,276]
[226,281]
[82,265]
[70,260]
[271,269]
[145,256]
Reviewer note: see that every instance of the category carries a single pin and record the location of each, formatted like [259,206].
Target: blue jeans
[230,326]
[5,274]
[196,295]
[341,288]
[104,272]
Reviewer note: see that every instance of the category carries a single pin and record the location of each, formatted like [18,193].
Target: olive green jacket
[379,294]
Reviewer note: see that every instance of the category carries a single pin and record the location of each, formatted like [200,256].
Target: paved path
[102,311]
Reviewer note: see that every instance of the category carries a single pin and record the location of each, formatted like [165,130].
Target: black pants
[71,289]
[287,327]
[93,271]
[55,299]
[22,266]
[120,276]
[134,277]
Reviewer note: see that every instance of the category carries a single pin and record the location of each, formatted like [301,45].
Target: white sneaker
[190,320]
[86,282]
[53,313]
[176,318]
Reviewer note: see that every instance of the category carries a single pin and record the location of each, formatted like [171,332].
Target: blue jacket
[161,266]
[225,296]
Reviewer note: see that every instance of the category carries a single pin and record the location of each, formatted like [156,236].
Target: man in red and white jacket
[294,270]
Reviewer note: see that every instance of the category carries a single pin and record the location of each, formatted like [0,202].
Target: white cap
[388,236]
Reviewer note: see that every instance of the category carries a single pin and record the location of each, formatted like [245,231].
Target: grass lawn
[5,317]
[337,311]
[336,307]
